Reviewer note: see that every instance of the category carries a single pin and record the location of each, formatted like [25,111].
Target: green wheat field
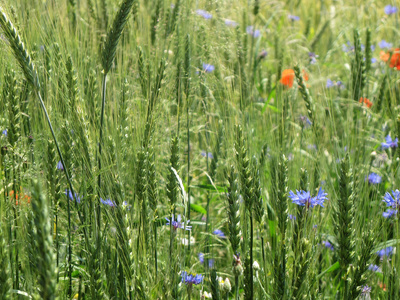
[208,149]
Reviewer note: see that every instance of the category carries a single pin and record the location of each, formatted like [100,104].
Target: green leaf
[198,208]
[332,268]
[210,187]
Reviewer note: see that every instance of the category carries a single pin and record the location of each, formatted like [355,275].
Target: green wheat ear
[115,33]
[19,50]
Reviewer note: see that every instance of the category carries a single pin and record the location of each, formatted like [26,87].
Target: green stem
[103,102]
[237,287]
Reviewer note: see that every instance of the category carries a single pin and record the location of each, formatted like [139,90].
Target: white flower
[256,266]
[185,241]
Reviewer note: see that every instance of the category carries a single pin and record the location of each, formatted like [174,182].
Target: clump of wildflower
[374,178]
[390,143]
[303,198]
[210,260]
[288,77]
[330,84]
[219,233]
[205,14]
[365,291]
[206,154]
[108,202]
[390,10]
[293,18]
[374,268]
[60,166]
[190,279]
[208,68]
[328,245]
[254,33]
[230,23]
[313,57]
[385,252]
[389,213]
[347,47]
[237,265]
[304,121]
[68,193]
[385,45]
[365,101]
[394,56]
[178,223]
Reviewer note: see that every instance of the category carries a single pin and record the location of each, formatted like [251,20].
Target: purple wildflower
[390,143]
[373,60]
[210,260]
[293,18]
[385,252]
[206,154]
[178,223]
[263,54]
[374,178]
[303,198]
[374,268]
[313,57]
[347,47]
[68,193]
[205,14]
[292,217]
[5,132]
[385,45]
[230,23]
[60,166]
[390,10]
[254,33]
[329,83]
[304,121]
[208,68]
[392,201]
[389,213]
[365,291]
[108,202]
[190,279]
[328,245]
[219,233]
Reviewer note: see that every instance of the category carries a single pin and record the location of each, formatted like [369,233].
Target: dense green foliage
[153,149]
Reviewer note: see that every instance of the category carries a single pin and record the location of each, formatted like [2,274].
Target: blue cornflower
[329,83]
[108,202]
[293,18]
[68,193]
[208,68]
[313,57]
[292,217]
[347,47]
[390,143]
[230,23]
[385,252]
[60,166]
[205,14]
[178,223]
[303,198]
[392,201]
[220,233]
[190,279]
[328,245]
[385,45]
[389,213]
[374,178]
[206,154]
[373,60]
[365,291]
[263,54]
[5,132]
[374,268]
[304,121]
[390,10]
[210,260]
[254,33]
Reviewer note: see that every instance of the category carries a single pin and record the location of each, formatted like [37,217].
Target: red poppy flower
[288,77]
[366,102]
[24,198]
[394,56]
